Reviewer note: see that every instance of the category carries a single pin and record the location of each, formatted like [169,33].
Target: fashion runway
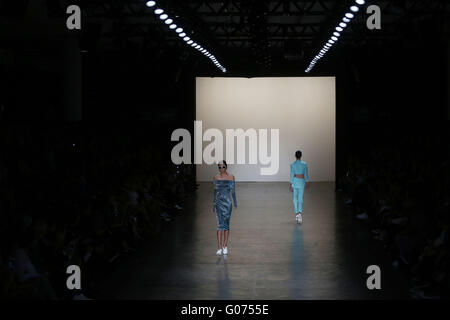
[270,255]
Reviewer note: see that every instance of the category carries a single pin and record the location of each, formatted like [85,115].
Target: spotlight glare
[150,3]
[163,16]
[354,8]
[159,11]
[182,35]
[337,34]
[179,30]
[168,21]
[173,26]
[343,24]
[186,39]
[349,15]
[339,29]
[346,20]
[360,2]
[334,38]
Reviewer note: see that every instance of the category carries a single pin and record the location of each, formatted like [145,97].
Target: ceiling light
[165,17]
[349,15]
[354,8]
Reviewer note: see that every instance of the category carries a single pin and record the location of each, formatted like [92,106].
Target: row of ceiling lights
[179,30]
[336,34]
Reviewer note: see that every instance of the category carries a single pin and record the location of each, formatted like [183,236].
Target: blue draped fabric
[224,190]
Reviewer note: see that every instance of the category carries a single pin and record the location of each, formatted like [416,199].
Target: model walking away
[298,180]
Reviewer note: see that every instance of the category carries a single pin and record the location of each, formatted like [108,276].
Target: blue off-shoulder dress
[223,190]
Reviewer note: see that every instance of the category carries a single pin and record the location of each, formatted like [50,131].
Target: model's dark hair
[225,163]
[298,154]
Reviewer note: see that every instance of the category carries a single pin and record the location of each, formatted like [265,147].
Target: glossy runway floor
[270,256]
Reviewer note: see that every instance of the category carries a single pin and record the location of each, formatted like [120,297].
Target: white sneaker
[299,220]
[225,250]
[219,252]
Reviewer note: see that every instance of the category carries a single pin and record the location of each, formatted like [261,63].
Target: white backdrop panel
[303,109]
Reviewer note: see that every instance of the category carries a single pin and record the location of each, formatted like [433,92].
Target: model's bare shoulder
[215,178]
[232,178]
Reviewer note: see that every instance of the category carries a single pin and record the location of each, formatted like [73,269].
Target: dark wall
[386,94]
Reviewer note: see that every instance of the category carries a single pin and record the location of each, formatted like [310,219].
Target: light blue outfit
[222,202]
[298,184]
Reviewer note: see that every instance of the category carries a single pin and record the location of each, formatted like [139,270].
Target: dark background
[85,114]
[391,82]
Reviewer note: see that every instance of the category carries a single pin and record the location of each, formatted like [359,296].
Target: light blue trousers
[297,197]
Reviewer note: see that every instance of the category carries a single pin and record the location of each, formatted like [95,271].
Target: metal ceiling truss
[262,25]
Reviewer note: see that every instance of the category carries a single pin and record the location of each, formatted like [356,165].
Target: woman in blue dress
[224,184]
[298,180]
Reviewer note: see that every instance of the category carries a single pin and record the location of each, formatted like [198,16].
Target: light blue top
[299,167]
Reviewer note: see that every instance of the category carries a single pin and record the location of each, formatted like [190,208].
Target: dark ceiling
[259,34]
[265,32]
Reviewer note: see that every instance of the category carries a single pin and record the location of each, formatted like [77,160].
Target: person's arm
[233,192]
[292,175]
[215,196]
[306,173]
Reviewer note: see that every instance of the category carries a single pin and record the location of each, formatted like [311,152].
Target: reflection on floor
[270,255]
